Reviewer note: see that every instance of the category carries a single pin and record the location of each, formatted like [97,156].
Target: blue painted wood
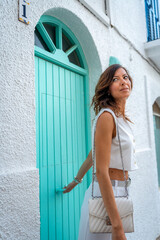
[113,60]
[59,58]
[156,121]
[63,134]
[58,36]
[59,27]
[69,51]
[46,37]
[152,19]
[62,148]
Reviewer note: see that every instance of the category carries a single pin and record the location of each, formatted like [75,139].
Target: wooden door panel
[62,148]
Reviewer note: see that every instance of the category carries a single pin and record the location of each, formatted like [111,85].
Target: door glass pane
[66,43]
[38,41]
[51,31]
[73,58]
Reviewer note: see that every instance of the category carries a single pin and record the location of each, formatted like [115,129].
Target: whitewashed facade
[121,34]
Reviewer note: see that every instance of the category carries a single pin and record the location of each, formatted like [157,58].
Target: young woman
[111,92]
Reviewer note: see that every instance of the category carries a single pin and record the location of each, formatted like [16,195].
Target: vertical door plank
[43,149]
[74,147]
[59,207]
[51,180]
[75,150]
[63,149]
[71,220]
[37,85]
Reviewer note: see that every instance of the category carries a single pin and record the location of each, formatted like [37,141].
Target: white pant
[84,233]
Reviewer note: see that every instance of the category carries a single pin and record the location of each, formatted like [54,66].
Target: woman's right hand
[118,234]
[69,187]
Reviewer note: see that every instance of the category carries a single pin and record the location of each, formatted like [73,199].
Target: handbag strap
[93,159]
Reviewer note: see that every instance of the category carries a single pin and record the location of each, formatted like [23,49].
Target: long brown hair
[101,98]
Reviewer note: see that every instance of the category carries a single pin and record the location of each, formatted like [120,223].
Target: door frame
[154,123]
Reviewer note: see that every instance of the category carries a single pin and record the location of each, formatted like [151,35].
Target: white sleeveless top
[127,144]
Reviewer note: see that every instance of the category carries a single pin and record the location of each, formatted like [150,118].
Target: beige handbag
[99,221]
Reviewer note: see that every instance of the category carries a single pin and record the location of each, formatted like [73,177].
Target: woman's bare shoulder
[105,122]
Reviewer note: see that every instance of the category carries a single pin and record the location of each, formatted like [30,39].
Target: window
[152,19]
[47,39]
[51,30]
[38,40]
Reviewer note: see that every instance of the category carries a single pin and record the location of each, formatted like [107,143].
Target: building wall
[19,177]
[129,19]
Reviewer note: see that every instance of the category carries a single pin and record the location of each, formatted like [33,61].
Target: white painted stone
[19,181]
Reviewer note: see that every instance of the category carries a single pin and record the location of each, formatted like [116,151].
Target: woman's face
[120,87]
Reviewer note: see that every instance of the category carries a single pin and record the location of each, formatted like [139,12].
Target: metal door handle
[59,190]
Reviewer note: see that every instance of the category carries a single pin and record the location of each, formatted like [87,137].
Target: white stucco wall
[129,18]
[19,204]
[19,178]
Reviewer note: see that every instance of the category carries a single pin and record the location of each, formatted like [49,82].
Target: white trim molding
[152,50]
[102,16]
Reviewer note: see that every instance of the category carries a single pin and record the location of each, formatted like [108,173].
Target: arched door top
[57,43]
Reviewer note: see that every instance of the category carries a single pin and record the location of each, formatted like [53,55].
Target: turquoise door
[156,120]
[61,142]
